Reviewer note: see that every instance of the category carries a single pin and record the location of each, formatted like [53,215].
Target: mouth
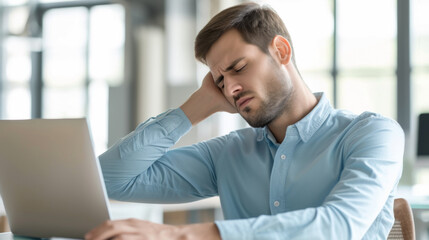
[242,102]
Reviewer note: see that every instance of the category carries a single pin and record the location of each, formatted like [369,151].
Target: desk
[416,195]
[6,236]
[10,236]
[149,212]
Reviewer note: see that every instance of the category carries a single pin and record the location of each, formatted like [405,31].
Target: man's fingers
[110,229]
[128,237]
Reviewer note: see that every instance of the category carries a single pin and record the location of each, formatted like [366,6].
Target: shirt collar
[312,121]
[308,125]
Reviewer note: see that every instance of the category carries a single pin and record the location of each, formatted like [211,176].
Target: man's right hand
[208,99]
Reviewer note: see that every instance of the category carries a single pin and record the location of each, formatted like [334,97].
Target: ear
[281,49]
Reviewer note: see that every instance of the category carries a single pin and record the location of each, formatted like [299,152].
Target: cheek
[259,78]
[262,70]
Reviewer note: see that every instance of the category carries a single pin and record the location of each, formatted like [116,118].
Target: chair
[403,228]
[4,227]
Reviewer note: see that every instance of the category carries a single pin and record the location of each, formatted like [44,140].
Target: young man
[303,171]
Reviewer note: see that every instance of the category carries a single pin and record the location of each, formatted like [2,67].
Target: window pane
[63,67]
[98,114]
[106,65]
[71,57]
[367,56]
[180,25]
[64,42]
[63,103]
[107,36]
[13,2]
[420,33]
[17,61]
[17,103]
[420,56]
[16,19]
[366,35]
[320,82]
[368,93]
[65,27]
[64,62]
[107,26]
[16,100]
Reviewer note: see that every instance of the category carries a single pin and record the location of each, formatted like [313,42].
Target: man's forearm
[140,229]
[136,152]
[198,107]
[207,231]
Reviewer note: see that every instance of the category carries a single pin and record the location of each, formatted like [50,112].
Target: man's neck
[301,104]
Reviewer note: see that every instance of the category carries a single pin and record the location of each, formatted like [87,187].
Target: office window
[15,70]
[64,62]
[420,56]
[419,30]
[13,2]
[16,87]
[366,50]
[83,52]
[106,44]
[367,56]
[106,65]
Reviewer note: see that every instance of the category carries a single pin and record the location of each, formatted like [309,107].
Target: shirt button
[276,204]
[283,156]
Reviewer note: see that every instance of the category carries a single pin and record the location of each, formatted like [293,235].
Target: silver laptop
[50,179]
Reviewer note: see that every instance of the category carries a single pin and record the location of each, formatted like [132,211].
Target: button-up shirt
[333,176]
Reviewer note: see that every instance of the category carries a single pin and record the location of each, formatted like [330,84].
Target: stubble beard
[277,102]
[269,110]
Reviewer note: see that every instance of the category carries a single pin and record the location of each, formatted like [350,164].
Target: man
[303,171]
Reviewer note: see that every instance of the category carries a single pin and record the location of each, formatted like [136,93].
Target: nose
[232,86]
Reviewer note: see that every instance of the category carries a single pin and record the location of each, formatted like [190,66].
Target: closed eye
[240,69]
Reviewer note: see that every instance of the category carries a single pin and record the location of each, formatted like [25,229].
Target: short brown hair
[257,25]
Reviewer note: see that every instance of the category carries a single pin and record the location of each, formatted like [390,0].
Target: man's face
[252,81]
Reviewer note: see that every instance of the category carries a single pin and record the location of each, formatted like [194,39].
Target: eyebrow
[231,66]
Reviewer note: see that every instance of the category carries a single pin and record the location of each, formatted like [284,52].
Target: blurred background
[119,62]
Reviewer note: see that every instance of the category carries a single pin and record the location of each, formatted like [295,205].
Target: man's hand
[210,89]
[139,229]
[208,99]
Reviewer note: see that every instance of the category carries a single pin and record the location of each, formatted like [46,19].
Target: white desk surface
[416,195]
[10,236]
[6,236]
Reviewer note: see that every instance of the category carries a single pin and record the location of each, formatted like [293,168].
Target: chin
[257,121]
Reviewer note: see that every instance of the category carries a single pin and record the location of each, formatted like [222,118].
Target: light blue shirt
[333,177]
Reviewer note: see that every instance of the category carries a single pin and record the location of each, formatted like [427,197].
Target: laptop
[50,179]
